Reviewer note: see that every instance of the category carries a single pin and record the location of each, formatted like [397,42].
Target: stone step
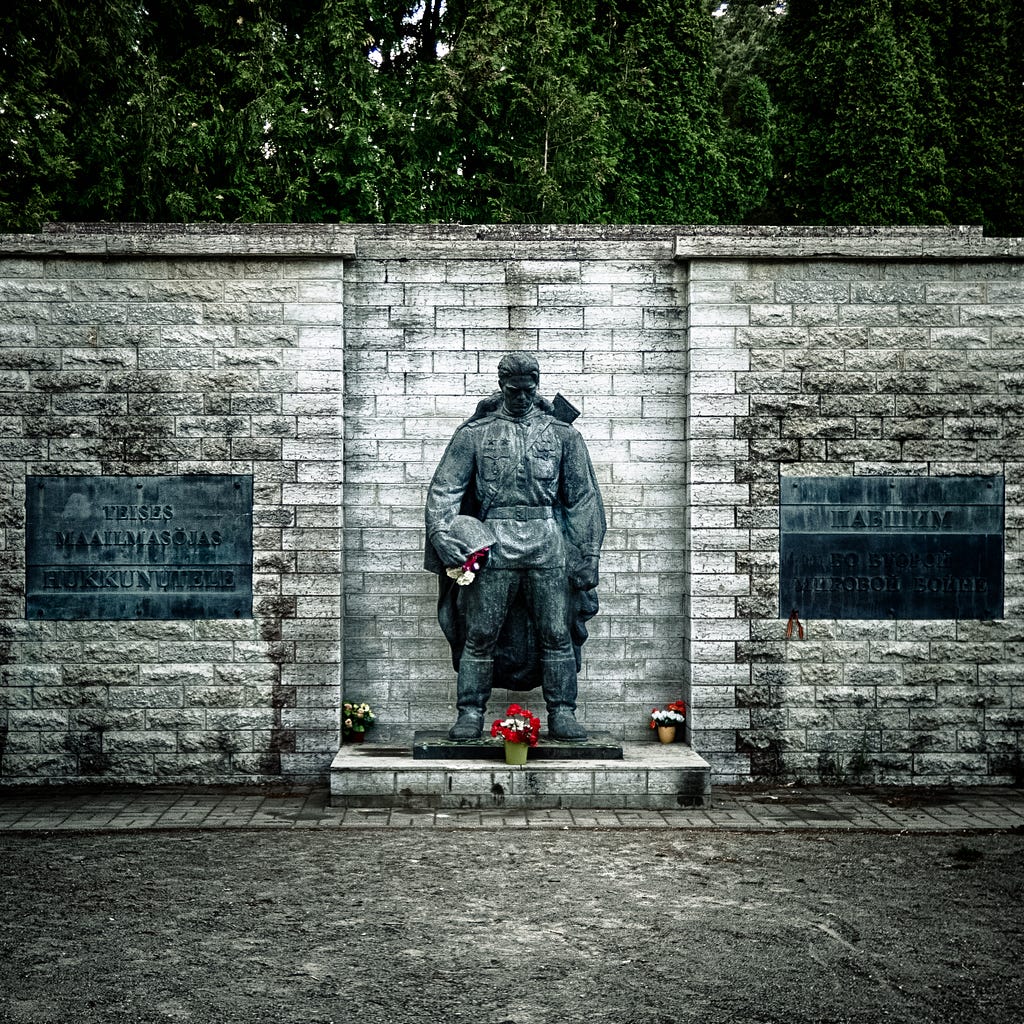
[649,775]
[598,746]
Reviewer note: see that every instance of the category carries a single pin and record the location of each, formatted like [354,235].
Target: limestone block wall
[426,320]
[851,356]
[167,353]
[333,363]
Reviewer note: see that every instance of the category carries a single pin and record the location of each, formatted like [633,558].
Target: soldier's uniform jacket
[530,479]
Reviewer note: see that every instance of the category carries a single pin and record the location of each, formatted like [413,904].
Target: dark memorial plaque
[879,547]
[138,547]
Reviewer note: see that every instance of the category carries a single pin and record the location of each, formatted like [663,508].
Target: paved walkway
[735,808]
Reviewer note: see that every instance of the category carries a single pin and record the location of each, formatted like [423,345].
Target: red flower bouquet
[466,573]
[520,725]
[674,714]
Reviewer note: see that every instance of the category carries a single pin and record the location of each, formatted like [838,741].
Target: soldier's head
[518,378]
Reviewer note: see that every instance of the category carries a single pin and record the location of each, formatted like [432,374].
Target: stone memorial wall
[154,356]
[329,366]
[888,353]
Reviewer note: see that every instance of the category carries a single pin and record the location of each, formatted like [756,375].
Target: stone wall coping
[489,241]
[104,241]
[955,242]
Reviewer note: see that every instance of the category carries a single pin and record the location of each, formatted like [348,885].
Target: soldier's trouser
[487,600]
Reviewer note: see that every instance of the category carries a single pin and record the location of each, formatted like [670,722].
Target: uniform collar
[528,418]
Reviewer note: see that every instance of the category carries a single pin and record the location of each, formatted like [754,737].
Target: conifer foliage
[604,111]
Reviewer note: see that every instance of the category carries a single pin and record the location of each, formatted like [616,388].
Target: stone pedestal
[649,775]
[428,746]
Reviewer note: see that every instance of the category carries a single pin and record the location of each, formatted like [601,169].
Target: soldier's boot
[559,682]
[474,689]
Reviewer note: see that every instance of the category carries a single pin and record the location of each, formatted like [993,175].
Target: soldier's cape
[516,659]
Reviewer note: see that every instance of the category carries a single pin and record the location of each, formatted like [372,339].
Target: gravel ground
[499,926]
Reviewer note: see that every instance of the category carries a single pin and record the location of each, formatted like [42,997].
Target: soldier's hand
[584,574]
[450,551]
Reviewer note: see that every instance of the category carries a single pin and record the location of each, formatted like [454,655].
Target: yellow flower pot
[667,733]
[515,753]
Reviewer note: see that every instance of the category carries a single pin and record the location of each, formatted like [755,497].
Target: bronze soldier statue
[517,478]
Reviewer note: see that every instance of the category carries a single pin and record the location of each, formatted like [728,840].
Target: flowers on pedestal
[666,721]
[520,728]
[355,720]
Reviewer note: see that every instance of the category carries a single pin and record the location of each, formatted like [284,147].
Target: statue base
[649,775]
[435,746]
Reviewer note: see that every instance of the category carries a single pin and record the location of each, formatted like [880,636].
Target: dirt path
[619,927]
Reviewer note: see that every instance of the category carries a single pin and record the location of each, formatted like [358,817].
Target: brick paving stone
[731,809]
[463,822]
[694,817]
[513,821]
[641,819]
[399,820]
[995,819]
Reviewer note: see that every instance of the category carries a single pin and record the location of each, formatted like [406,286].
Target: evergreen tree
[512,127]
[666,114]
[49,104]
[744,34]
[858,133]
[986,92]
[182,111]
[262,112]
[845,111]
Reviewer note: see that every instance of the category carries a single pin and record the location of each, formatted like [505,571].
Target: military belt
[521,512]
